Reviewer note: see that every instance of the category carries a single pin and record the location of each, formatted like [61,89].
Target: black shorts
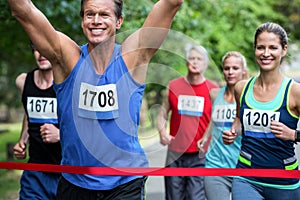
[133,190]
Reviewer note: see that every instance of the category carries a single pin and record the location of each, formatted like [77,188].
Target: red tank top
[191,112]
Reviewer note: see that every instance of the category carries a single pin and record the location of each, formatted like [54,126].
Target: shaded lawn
[9,179]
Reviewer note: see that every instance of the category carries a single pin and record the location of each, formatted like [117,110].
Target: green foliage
[290,9]
[221,25]
[16,56]
[218,25]
[135,13]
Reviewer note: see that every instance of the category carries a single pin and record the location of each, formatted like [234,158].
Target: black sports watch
[297,135]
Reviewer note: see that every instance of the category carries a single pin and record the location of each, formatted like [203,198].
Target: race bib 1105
[224,115]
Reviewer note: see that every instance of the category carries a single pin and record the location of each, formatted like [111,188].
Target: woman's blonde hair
[237,55]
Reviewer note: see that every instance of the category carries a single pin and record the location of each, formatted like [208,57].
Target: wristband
[297,135]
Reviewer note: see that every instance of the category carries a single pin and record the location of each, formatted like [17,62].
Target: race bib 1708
[98,98]
[257,123]
[190,105]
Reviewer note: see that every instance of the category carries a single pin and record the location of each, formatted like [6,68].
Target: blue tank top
[99,118]
[220,155]
[260,148]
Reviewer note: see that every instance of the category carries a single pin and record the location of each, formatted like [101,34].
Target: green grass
[9,179]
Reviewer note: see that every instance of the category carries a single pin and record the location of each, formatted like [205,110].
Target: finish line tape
[152,171]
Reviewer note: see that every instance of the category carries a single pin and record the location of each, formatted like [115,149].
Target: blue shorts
[242,189]
[38,185]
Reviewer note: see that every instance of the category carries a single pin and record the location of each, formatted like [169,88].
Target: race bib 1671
[42,109]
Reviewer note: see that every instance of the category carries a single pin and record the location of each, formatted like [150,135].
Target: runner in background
[39,130]
[190,106]
[219,155]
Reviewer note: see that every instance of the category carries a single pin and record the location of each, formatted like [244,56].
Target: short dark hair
[118,8]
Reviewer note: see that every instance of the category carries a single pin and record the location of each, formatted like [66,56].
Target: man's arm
[207,134]
[162,121]
[59,49]
[24,132]
[139,48]
[20,147]
[20,81]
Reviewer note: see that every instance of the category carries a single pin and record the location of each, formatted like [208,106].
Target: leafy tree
[16,56]
[218,25]
[290,9]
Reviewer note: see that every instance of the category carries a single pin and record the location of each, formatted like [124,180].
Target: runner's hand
[49,133]
[229,136]
[20,150]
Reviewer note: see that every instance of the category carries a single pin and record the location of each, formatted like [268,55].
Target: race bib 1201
[257,123]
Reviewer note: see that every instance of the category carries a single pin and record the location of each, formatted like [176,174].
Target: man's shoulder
[211,84]
[176,80]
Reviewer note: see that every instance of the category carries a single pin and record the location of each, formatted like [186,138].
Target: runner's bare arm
[238,89]
[162,121]
[20,82]
[229,136]
[213,94]
[279,129]
[139,48]
[59,49]
[294,100]
[20,146]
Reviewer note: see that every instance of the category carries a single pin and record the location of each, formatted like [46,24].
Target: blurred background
[218,25]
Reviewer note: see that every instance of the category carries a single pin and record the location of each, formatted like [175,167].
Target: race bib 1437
[190,105]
